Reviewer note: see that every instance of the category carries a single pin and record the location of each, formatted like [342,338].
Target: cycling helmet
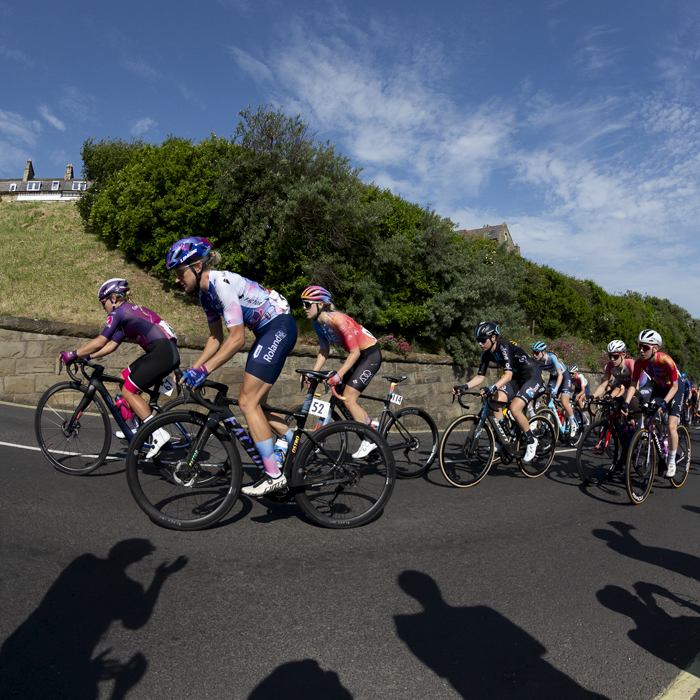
[572,369]
[187,250]
[116,285]
[318,294]
[617,346]
[539,346]
[649,336]
[486,329]
[684,375]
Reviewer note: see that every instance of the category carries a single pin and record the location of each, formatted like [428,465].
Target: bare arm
[93,346]
[110,346]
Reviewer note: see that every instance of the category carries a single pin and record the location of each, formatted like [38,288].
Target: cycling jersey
[688,389]
[552,364]
[340,329]
[579,382]
[239,300]
[511,358]
[138,323]
[662,369]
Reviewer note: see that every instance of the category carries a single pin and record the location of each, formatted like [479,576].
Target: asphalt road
[516,588]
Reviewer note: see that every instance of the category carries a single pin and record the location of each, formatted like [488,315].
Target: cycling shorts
[363,371]
[676,405]
[564,387]
[271,348]
[587,392]
[527,389]
[160,359]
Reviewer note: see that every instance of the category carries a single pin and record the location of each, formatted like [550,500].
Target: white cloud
[256,69]
[142,68]
[143,126]
[19,129]
[16,55]
[77,103]
[13,159]
[51,119]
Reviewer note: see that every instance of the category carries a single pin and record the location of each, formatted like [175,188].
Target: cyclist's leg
[359,377]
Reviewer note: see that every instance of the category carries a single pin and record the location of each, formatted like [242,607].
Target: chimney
[69,172]
[28,171]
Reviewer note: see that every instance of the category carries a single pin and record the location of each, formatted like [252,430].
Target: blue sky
[575,122]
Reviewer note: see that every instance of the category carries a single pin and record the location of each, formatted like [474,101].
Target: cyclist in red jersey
[666,391]
[364,356]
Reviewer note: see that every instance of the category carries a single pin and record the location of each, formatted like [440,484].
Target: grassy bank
[52,269]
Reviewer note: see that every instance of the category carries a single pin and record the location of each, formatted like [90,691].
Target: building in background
[42,189]
[499,233]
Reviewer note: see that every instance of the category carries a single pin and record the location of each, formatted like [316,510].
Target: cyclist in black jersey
[520,383]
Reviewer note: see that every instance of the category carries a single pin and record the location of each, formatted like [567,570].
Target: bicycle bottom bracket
[181,475]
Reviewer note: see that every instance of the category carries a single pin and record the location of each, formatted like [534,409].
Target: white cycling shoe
[670,471]
[266,485]
[365,448]
[531,451]
[158,440]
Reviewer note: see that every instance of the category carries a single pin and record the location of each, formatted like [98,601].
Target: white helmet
[649,336]
[617,346]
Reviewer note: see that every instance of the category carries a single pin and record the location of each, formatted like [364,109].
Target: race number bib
[167,386]
[395,398]
[319,408]
[168,329]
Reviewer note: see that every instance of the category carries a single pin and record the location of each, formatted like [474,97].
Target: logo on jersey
[110,318]
[270,354]
[258,350]
[366,376]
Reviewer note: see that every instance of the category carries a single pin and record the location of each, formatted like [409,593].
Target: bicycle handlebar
[221,398]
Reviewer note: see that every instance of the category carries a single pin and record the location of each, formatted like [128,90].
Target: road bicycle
[469,445]
[648,451]
[553,409]
[412,434]
[71,421]
[195,479]
[602,449]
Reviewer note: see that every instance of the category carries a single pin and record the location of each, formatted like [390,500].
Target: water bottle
[123,407]
[281,447]
[665,446]
[375,424]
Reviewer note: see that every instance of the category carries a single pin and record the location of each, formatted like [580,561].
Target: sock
[266,448]
[530,437]
[288,436]
[671,457]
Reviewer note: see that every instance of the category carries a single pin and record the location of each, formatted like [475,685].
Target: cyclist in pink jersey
[364,356]
[666,393]
[126,319]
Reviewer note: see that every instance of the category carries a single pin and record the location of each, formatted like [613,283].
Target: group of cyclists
[236,303]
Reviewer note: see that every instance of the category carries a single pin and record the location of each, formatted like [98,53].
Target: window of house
[78,186]
[55,185]
[33,186]
[13,187]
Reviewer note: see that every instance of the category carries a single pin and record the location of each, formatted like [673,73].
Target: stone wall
[29,364]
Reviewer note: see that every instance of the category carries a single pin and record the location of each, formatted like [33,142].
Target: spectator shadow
[301,680]
[50,655]
[692,509]
[478,650]
[624,543]
[676,640]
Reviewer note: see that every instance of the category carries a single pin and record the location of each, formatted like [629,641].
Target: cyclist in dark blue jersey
[126,319]
[520,382]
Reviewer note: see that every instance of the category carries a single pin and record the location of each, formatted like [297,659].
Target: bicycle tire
[641,465]
[160,486]
[466,457]
[83,450]
[552,417]
[682,458]
[597,453]
[542,428]
[413,439]
[334,488]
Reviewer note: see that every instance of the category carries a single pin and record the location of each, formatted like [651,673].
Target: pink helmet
[318,294]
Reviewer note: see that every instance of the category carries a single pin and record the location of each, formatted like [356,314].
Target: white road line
[685,685]
[60,452]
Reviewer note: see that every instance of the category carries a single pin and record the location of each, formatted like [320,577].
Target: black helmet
[486,329]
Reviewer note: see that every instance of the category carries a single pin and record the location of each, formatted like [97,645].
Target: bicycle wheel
[184,489]
[543,430]
[336,489]
[413,439]
[552,417]
[72,449]
[467,451]
[598,452]
[641,464]
[682,458]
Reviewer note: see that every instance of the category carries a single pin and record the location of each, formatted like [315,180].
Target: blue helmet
[684,375]
[187,250]
[539,346]
[487,329]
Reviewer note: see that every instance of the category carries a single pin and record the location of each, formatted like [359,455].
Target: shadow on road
[675,639]
[50,655]
[478,650]
[301,680]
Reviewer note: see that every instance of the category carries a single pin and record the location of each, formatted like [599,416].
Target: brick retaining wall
[29,364]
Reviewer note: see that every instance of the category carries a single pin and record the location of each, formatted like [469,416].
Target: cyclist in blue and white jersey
[559,380]
[241,303]
[579,385]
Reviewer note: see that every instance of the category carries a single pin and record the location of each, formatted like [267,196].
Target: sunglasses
[614,355]
[481,340]
[308,304]
[643,347]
